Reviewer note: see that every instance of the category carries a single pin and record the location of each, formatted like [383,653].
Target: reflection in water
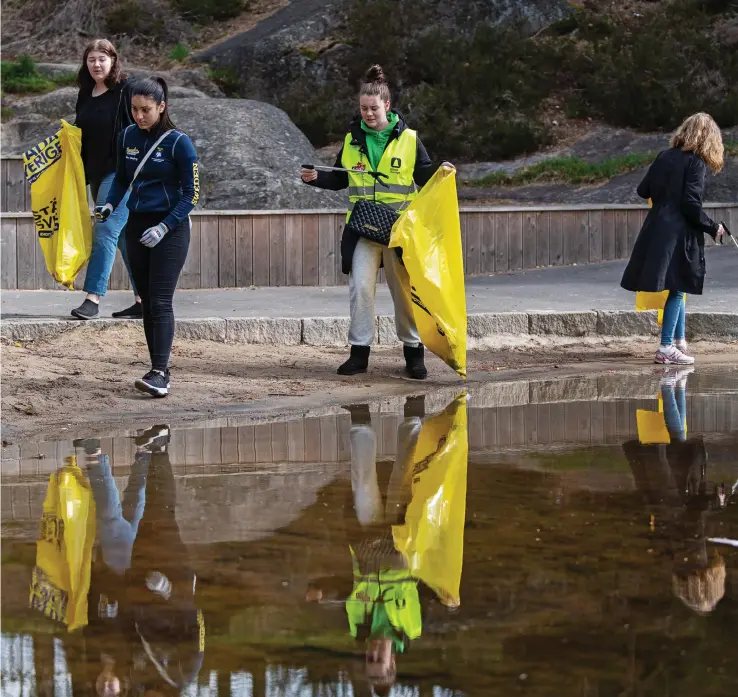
[319,543]
[417,534]
[671,471]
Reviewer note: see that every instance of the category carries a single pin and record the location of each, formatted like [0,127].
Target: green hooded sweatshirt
[376,141]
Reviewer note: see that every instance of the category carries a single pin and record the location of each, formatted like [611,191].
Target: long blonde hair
[701,135]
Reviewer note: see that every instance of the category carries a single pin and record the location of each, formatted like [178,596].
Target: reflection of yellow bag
[59,202]
[429,235]
[432,537]
[61,578]
[652,426]
[653,301]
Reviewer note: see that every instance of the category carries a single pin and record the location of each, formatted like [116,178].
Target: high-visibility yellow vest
[396,588]
[398,163]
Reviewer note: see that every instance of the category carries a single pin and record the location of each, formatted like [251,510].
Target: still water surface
[570,537]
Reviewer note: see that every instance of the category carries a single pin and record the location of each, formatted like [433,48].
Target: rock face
[250,155]
[250,152]
[303,40]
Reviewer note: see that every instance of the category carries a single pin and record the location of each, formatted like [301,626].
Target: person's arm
[333,181]
[121,180]
[694,185]
[125,110]
[78,105]
[185,158]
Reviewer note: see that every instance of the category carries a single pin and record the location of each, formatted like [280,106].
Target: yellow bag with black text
[429,234]
[60,580]
[61,214]
[653,301]
[432,537]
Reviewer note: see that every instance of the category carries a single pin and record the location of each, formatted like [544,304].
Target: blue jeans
[674,324]
[117,523]
[106,238]
[675,411]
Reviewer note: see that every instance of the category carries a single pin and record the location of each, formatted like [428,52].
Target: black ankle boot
[414,407]
[414,363]
[360,414]
[358,361]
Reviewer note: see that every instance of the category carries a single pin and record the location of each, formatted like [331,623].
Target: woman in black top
[103,110]
[669,253]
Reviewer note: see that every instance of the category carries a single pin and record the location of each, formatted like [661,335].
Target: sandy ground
[82,383]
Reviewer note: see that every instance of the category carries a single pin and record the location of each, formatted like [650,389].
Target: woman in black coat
[669,253]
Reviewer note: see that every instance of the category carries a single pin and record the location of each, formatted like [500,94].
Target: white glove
[102,213]
[154,235]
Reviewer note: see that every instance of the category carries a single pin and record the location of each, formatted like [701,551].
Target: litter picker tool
[376,175]
[729,234]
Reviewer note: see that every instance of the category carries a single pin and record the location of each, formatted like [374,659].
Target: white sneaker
[671,355]
[675,377]
[681,344]
[158,583]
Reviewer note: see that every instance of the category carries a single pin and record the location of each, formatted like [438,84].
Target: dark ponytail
[155,88]
[375,84]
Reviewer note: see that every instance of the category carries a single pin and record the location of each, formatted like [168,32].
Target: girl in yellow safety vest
[378,140]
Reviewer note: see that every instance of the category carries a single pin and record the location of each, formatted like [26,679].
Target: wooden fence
[232,249]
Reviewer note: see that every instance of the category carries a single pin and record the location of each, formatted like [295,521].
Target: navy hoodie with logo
[168,183]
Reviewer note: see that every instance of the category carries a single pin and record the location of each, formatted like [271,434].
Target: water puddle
[554,537]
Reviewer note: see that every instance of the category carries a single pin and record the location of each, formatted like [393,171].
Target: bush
[205,11]
[22,77]
[137,19]
[227,80]
[179,52]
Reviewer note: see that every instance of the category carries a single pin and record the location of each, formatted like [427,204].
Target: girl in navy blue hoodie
[162,196]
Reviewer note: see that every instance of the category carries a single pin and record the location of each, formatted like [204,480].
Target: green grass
[6,113]
[731,148]
[227,80]
[568,170]
[22,77]
[179,52]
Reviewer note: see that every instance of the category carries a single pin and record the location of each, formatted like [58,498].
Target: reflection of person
[144,622]
[669,252]
[379,140]
[383,607]
[673,480]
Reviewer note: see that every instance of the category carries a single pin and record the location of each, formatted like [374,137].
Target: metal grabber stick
[728,233]
[376,175]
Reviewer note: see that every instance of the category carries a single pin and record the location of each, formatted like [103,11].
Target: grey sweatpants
[363,287]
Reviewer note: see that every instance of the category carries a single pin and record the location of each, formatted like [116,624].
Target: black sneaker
[135,311]
[87,310]
[155,383]
[155,438]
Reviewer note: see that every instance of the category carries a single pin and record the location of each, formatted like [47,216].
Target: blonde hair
[701,135]
[702,589]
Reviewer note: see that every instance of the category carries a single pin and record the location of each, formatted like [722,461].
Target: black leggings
[155,272]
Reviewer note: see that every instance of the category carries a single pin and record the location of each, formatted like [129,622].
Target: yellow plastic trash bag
[60,580]
[59,202]
[652,426]
[653,301]
[432,537]
[429,235]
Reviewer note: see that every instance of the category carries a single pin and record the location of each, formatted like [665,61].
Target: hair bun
[375,74]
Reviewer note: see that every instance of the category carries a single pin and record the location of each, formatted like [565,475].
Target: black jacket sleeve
[81,98]
[334,181]
[424,168]
[121,180]
[694,184]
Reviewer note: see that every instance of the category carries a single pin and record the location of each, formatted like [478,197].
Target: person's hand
[448,165]
[308,175]
[314,595]
[720,232]
[102,213]
[154,235]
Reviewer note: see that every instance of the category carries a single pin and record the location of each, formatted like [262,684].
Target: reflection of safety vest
[398,163]
[396,588]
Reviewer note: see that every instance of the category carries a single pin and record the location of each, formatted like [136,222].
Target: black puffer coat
[669,252]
